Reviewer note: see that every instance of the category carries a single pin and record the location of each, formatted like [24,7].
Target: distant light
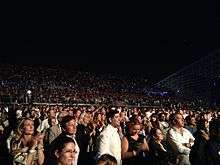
[29,92]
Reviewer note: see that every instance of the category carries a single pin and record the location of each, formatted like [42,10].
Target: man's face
[71,127]
[179,120]
[115,121]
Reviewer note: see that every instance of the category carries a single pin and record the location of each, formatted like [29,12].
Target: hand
[40,138]
[141,147]
[191,141]
[34,143]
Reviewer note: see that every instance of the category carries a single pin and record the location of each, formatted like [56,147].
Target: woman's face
[67,155]
[135,129]
[86,118]
[159,135]
[153,118]
[28,127]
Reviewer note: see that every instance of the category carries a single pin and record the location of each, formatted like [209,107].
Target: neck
[26,139]
[178,128]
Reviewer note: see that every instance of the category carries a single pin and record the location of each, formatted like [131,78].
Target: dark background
[151,40]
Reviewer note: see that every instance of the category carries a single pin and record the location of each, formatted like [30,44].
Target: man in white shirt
[45,124]
[180,139]
[109,141]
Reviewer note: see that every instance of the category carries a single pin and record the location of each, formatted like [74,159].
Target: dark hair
[153,131]
[111,113]
[214,128]
[172,118]
[65,120]
[134,120]
[107,160]
[60,143]
[201,124]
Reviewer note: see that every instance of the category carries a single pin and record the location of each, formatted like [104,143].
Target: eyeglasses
[71,151]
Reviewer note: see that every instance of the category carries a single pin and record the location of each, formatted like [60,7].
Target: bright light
[28,92]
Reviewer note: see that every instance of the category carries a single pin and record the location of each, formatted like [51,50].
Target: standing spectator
[68,125]
[191,124]
[213,145]
[25,147]
[106,159]
[134,145]
[179,139]
[45,124]
[158,154]
[109,141]
[197,153]
[83,137]
[64,151]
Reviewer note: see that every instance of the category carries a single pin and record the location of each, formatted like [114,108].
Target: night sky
[154,46]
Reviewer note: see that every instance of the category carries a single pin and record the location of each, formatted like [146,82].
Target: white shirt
[110,143]
[44,125]
[176,140]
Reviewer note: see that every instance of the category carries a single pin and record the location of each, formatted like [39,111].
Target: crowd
[62,84]
[116,124]
[82,134]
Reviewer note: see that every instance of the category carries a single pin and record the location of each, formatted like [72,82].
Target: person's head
[134,126]
[161,117]
[214,129]
[177,120]
[77,113]
[191,120]
[68,125]
[113,118]
[157,134]
[52,121]
[154,118]
[97,117]
[51,113]
[64,151]
[202,124]
[106,159]
[26,127]
[84,118]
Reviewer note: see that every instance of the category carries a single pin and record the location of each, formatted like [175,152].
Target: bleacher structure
[195,80]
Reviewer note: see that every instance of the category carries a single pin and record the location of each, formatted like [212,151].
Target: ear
[57,154]
[110,120]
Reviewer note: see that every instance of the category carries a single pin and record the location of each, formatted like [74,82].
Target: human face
[71,127]
[179,120]
[86,118]
[78,113]
[193,121]
[52,113]
[115,121]
[67,155]
[28,127]
[135,129]
[159,135]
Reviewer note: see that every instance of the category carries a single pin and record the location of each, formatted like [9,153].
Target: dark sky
[155,43]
